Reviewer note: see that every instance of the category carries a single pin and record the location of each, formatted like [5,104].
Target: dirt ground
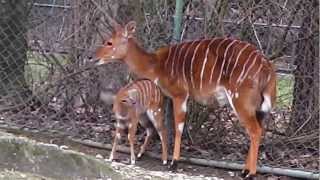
[146,162]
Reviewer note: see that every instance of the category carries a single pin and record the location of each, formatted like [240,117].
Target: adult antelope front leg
[180,108]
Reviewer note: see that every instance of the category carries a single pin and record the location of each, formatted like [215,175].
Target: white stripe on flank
[224,60]
[191,69]
[166,62]
[205,62]
[151,97]
[259,69]
[147,94]
[176,69]
[184,62]
[245,65]
[230,59]
[143,94]
[251,65]
[235,64]
[269,77]
[152,94]
[177,50]
[216,59]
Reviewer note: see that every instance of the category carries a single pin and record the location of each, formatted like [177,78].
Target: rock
[99,156]
[147,177]
[64,147]
[231,173]
[49,160]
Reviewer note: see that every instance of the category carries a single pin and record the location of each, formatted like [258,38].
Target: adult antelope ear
[130,29]
[133,93]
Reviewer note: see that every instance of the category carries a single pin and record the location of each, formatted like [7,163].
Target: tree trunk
[178,20]
[13,52]
[305,116]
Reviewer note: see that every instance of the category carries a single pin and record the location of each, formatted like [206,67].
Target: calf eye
[109,43]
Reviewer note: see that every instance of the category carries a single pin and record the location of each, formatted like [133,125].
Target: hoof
[139,157]
[245,174]
[164,162]
[173,166]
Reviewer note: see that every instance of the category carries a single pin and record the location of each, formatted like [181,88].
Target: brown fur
[130,105]
[201,69]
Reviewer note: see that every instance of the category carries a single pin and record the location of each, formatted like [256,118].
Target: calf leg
[132,138]
[115,143]
[162,132]
[146,141]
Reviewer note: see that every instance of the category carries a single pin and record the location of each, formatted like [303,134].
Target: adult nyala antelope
[129,106]
[202,69]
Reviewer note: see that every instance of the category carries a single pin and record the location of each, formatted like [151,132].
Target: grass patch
[38,68]
[285,85]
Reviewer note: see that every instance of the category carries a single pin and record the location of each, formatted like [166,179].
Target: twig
[255,34]
[52,5]
[306,122]
[293,15]
[279,52]
[103,11]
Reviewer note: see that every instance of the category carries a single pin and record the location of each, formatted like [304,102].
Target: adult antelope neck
[141,62]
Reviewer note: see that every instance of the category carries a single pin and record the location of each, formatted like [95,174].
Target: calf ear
[107,97]
[130,29]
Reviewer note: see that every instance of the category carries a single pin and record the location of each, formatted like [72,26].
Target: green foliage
[285,90]
[40,69]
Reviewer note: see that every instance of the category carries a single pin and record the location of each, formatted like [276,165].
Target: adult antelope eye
[109,43]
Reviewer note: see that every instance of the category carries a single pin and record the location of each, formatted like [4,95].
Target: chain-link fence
[47,82]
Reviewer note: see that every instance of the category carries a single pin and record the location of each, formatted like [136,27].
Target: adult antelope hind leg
[246,106]
[180,108]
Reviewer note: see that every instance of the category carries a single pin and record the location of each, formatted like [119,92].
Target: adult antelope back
[202,69]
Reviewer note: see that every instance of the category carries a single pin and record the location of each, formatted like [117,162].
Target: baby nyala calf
[132,104]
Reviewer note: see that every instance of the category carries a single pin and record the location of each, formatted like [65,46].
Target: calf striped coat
[140,102]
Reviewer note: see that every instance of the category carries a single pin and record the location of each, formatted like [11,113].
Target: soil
[145,163]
